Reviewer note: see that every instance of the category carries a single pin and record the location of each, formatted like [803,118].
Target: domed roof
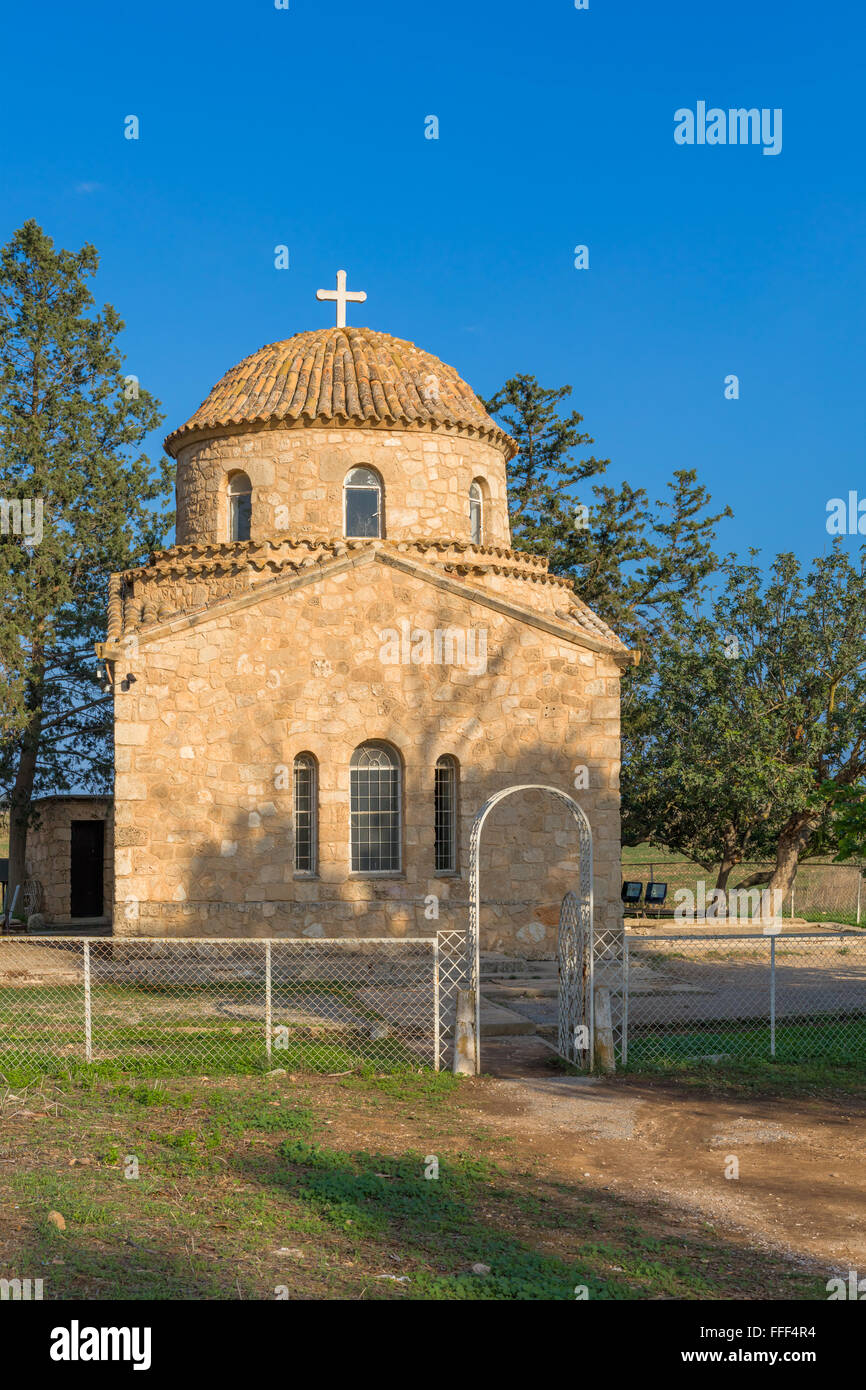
[343,376]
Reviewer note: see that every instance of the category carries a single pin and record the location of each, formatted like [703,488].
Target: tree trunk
[21,796]
[796,834]
[731,857]
[760,877]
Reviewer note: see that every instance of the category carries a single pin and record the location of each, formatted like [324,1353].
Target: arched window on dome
[305,793]
[240,494]
[476,513]
[364,515]
[374,809]
[445,815]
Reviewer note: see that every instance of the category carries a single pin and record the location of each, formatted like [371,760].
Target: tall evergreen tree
[71,424]
[631,560]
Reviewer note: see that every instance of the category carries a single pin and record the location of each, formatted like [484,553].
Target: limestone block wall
[297,478]
[220,706]
[49,844]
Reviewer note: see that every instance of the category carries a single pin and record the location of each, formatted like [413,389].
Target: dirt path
[802,1173]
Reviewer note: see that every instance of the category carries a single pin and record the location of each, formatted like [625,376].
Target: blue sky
[305,127]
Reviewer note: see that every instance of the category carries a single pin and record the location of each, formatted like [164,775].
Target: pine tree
[71,423]
[631,560]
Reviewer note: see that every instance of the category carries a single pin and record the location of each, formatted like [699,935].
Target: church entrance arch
[584,905]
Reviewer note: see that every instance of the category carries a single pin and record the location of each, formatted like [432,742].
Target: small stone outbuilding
[70,859]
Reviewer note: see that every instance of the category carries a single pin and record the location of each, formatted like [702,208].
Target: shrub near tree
[71,425]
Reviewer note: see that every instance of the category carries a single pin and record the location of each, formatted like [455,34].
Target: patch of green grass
[765,1076]
[217,1053]
[428,1086]
[840,1043]
[237,1113]
[234,1175]
[146,1094]
[845,919]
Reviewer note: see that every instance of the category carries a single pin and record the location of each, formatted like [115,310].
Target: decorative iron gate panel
[609,964]
[455,972]
[574,955]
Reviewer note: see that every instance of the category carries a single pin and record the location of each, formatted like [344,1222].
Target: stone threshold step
[497,1022]
[521,989]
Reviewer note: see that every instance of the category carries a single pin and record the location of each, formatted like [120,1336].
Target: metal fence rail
[214,1004]
[797,996]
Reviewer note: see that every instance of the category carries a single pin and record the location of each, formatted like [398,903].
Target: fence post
[604,1057]
[268,999]
[435,1003]
[465,1042]
[88,1032]
[859,886]
[624,998]
[772,996]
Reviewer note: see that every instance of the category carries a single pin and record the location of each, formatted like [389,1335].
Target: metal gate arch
[584,831]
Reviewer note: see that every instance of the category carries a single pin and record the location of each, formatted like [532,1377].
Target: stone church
[341,658]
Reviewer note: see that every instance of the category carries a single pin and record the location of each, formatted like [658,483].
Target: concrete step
[497,1022]
[506,968]
[73,926]
[521,989]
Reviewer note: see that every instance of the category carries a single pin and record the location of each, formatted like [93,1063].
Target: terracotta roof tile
[343,376]
[129,601]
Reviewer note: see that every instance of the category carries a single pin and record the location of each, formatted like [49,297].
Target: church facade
[341,658]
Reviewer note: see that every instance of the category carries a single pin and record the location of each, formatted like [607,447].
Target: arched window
[445,815]
[306,807]
[363,489]
[240,507]
[476,514]
[374,791]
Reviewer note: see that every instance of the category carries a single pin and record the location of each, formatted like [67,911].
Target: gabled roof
[573,622]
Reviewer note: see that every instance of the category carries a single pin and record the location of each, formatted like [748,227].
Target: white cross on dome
[342,296]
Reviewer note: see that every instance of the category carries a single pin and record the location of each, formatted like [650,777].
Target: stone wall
[49,845]
[223,702]
[297,478]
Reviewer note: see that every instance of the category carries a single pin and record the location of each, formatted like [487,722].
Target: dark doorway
[86,869]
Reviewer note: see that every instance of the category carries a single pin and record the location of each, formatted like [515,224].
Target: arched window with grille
[374,810]
[476,513]
[445,814]
[305,795]
[240,494]
[363,509]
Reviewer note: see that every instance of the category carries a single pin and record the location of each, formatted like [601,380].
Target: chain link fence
[797,996]
[822,892]
[188,1004]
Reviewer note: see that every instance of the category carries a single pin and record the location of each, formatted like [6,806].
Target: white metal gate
[473,939]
